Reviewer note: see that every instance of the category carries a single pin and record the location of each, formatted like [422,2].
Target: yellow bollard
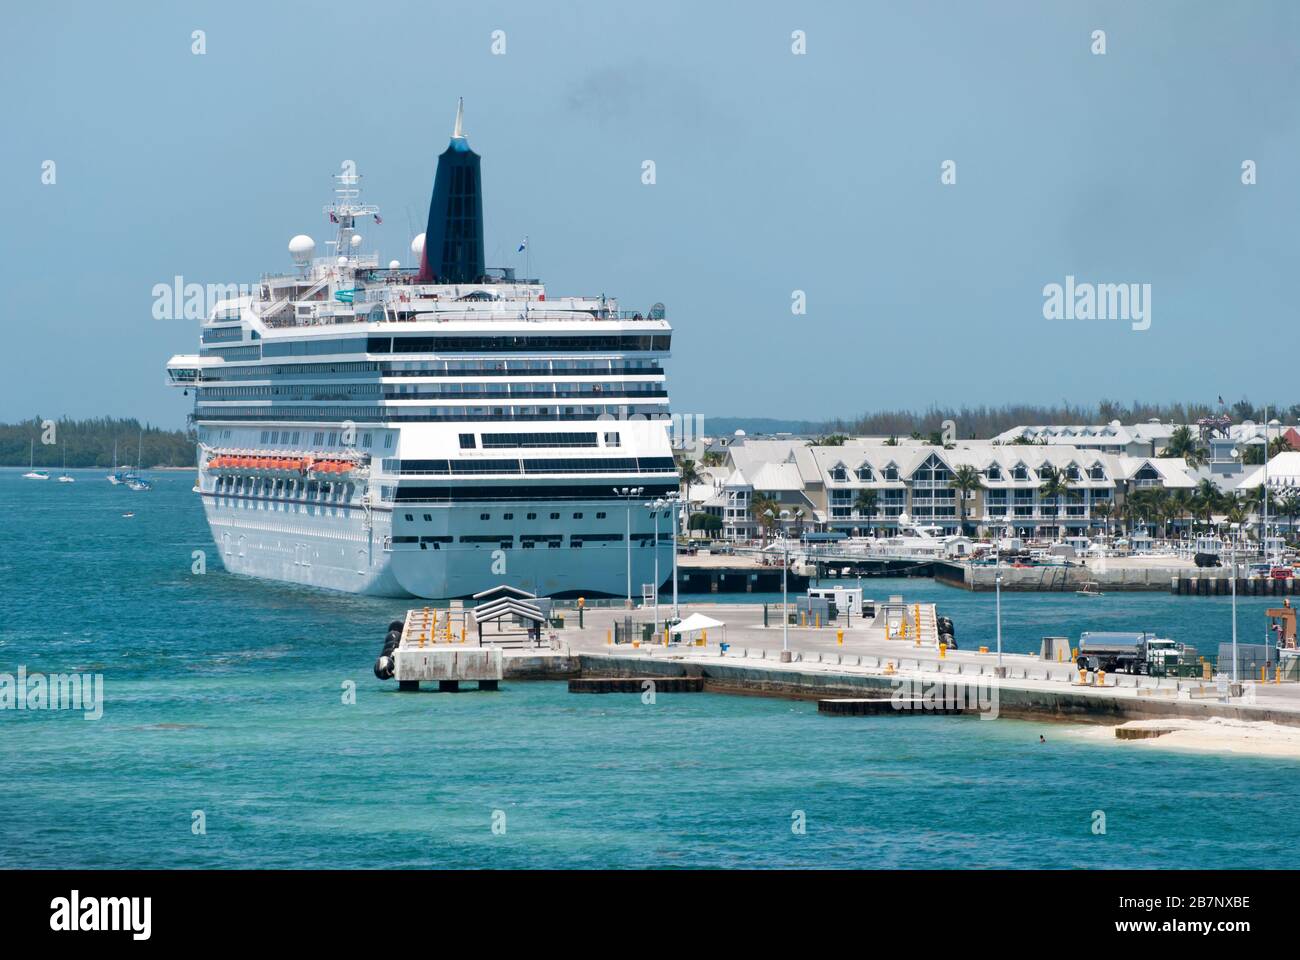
[1205,669]
[818,624]
[1277,673]
[609,638]
[984,649]
[666,636]
[889,667]
[1074,653]
[421,641]
[803,619]
[839,637]
[1101,678]
[1263,671]
[1059,658]
[943,651]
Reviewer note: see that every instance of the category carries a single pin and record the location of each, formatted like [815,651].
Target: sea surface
[225,709]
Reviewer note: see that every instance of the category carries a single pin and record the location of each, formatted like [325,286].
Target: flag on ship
[522,244]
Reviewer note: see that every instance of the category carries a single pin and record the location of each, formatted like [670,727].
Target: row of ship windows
[502,343]
[537,466]
[444,368]
[355,391]
[319,438]
[506,541]
[284,487]
[430,414]
[428,517]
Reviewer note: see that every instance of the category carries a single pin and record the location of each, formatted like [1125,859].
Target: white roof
[1283,471]
[696,622]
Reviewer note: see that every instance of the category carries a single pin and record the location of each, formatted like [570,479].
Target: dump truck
[1143,653]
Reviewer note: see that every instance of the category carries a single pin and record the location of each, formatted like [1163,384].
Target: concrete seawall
[1109,705]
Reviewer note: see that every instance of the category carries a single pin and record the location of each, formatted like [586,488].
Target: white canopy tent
[697,622]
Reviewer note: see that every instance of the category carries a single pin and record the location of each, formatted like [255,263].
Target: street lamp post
[627,493]
[997,588]
[679,514]
[785,575]
[657,506]
[1232,557]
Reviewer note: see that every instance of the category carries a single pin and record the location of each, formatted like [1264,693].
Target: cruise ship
[431,431]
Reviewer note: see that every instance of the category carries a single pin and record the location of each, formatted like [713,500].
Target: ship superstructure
[431,431]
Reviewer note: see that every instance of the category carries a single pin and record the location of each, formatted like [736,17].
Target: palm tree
[1237,509]
[1055,485]
[965,480]
[766,512]
[1103,510]
[1206,499]
[1289,506]
[1180,501]
[864,505]
[688,475]
[1184,443]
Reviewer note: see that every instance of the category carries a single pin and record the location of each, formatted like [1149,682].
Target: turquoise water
[225,695]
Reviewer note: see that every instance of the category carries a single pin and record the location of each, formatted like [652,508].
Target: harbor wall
[1116,578]
[791,681]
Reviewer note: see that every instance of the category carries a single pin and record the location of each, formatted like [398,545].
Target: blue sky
[775,173]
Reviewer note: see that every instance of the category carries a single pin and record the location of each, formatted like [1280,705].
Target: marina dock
[866,661]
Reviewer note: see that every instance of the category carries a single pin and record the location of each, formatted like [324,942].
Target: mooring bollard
[984,649]
[943,651]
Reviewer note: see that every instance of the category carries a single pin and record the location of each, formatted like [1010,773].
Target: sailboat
[133,480]
[32,473]
[115,477]
[66,477]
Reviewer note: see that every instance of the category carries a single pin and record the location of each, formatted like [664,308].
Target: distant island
[89,443]
[983,422]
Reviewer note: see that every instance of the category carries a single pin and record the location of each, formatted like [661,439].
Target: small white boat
[32,473]
[1090,588]
[66,477]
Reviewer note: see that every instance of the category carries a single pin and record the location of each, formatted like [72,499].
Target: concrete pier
[448,665]
[866,662]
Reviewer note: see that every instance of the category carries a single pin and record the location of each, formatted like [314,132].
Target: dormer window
[1095,472]
[891,472]
[1072,472]
[994,472]
[1020,472]
[838,473]
[864,473]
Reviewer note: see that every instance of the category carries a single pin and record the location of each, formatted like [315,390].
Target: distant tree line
[983,422]
[90,443]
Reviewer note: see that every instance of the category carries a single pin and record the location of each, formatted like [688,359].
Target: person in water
[1041,738]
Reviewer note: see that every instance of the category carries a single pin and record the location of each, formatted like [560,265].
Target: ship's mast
[345,210]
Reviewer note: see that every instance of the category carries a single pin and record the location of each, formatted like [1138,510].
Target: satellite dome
[356,240]
[417,245]
[301,249]
[740,433]
[394,264]
[343,261]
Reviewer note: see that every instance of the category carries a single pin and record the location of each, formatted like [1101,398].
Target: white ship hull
[334,547]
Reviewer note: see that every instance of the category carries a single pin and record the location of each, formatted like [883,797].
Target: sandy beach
[1214,735]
